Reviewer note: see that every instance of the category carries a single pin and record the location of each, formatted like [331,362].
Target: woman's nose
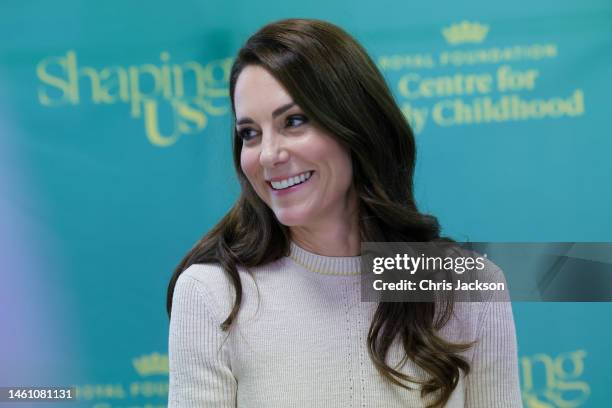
[273,152]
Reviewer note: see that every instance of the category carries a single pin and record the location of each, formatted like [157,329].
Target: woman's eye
[247,134]
[296,120]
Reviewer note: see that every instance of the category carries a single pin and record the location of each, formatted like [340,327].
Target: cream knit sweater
[304,343]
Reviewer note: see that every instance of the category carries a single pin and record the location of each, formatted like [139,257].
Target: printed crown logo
[465,32]
[151,364]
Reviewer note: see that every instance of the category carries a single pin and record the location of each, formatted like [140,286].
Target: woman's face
[301,172]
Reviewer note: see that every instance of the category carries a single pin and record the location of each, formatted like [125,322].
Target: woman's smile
[290,184]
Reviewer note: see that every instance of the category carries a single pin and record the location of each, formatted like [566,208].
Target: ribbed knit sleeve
[493,381]
[199,368]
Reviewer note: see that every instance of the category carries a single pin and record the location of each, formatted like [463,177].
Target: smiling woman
[300,171]
[266,308]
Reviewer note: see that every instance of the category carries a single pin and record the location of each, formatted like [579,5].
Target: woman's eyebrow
[276,112]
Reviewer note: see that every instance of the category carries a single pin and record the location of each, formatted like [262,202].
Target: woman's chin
[290,218]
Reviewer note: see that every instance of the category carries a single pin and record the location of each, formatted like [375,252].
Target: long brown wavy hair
[332,78]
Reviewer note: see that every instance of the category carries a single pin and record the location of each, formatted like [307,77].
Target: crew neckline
[325,265]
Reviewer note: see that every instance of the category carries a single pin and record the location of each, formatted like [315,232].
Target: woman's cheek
[248,163]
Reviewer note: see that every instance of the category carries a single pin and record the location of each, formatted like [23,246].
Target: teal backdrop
[115,159]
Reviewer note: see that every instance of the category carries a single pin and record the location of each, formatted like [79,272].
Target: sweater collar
[325,265]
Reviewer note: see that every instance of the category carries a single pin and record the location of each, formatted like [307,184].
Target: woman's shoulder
[215,279]
[472,316]
[214,284]
[209,275]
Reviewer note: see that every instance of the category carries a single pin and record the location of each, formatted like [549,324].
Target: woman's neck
[329,239]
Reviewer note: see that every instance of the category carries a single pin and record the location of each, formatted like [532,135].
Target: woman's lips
[291,189]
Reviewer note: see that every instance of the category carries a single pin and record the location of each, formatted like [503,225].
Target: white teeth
[291,181]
